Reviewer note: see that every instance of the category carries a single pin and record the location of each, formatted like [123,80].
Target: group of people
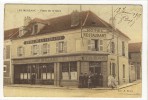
[90,81]
[112,81]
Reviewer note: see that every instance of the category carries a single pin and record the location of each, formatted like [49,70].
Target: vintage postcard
[67,50]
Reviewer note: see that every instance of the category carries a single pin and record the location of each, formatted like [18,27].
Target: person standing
[81,80]
[101,79]
[113,82]
[89,81]
[85,82]
[109,80]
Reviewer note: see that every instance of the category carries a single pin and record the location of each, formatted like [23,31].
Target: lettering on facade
[94,32]
[60,59]
[44,40]
[95,58]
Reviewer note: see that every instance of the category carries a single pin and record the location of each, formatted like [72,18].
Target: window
[4,68]
[45,48]
[47,71]
[35,49]
[69,71]
[112,68]
[123,48]
[61,47]
[7,50]
[20,51]
[112,47]
[95,45]
[4,55]
[123,71]
[35,29]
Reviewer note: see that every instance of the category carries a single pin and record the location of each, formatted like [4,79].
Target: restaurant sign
[94,33]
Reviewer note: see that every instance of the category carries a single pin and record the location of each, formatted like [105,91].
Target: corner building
[57,50]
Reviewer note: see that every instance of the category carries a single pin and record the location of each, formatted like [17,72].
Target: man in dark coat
[81,80]
[101,79]
[85,82]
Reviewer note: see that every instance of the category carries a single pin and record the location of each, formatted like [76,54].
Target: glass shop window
[69,71]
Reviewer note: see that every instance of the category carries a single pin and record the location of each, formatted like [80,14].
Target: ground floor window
[95,67]
[69,70]
[41,72]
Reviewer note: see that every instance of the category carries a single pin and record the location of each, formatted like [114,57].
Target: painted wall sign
[94,32]
[44,40]
[60,59]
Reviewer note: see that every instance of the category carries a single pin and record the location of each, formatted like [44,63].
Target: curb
[70,88]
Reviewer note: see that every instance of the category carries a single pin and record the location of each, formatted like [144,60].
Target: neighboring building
[135,61]
[57,50]
[9,34]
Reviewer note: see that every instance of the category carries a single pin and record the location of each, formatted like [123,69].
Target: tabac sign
[94,32]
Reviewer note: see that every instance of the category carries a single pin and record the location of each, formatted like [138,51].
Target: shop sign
[95,58]
[44,40]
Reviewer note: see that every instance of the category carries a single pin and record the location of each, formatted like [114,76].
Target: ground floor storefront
[59,70]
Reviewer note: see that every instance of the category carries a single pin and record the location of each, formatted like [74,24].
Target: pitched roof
[62,23]
[135,47]
[12,33]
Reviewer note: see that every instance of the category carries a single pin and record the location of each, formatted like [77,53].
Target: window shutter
[23,51]
[32,50]
[41,49]
[101,45]
[89,45]
[38,50]
[48,48]
[65,47]
[17,51]
[57,47]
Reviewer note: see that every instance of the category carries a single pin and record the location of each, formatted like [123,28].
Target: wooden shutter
[57,47]
[89,45]
[32,50]
[17,51]
[23,51]
[101,45]
[65,47]
[41,49]
[38,50]
[48,48]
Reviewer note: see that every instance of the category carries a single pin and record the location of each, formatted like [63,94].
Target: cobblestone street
[128,92]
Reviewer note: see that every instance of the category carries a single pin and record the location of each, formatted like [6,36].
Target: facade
[7,55]
[135,61]
[57,50]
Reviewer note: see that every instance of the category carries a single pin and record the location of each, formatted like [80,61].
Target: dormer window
[35,29]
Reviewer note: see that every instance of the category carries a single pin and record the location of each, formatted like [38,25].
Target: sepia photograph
[73,50]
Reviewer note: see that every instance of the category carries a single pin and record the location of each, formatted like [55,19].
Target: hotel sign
[44,40]
[94,33]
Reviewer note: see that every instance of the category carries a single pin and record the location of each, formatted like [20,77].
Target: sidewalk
[70,87]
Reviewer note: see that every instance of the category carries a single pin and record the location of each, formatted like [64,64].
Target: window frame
[69,69]
[5,68]
[20,51]
[123,70]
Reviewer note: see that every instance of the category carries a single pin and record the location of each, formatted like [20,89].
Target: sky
[128,18]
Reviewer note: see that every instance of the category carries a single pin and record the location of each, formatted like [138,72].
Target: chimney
[27,19]
[75,18]
[112,22]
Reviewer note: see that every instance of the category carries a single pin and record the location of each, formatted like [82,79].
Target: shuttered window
[95,45]
[20,51]
[61,47]
[35,49]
